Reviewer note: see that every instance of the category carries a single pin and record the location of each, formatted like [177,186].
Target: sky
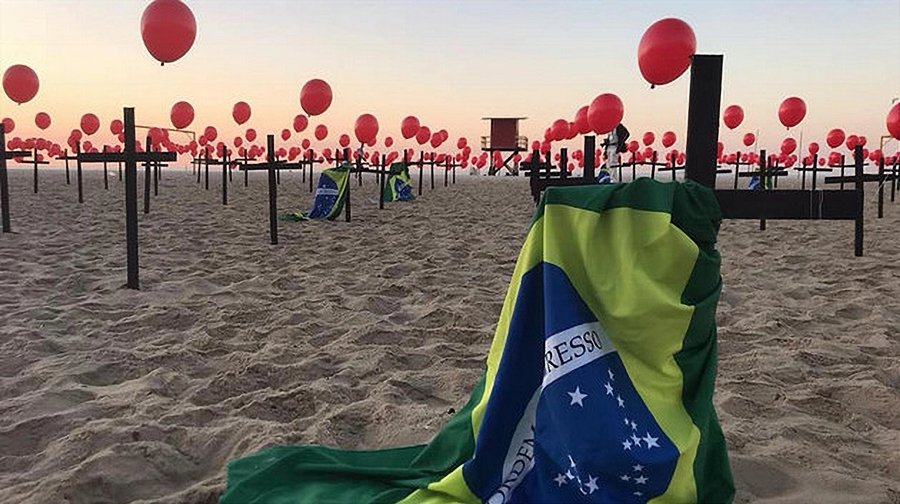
[452,63]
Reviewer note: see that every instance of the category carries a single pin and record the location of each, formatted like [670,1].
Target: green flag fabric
[599,380]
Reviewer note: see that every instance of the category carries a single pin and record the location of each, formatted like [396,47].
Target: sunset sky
[451,63]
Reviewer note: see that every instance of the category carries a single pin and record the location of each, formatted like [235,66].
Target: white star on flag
[625,477]
[572,461]
[651,441]
[638,468]
[626,445]
[636,440]
[569,475]
[592,484]
[639,494]
[561,480]
[633,425]
[577,396]
[640,481]
[609,389]
[627,423]
[611,377]
[621,401]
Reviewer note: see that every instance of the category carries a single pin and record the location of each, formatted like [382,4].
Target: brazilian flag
[599,380]
[331,194]
[397,187]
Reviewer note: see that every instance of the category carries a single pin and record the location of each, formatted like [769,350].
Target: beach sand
[370,334]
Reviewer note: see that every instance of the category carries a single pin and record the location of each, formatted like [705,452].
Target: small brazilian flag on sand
[599,380]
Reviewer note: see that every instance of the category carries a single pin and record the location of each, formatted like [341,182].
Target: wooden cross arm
[723,170]
[792,204]
[16,153]
[278,165]
[816,169]
[868,177]
[768,173]
[34,162]
[112,157]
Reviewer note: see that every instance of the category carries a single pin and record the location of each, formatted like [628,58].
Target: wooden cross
[224,163]
[701,152]
[36,162]
[66,157]
[271,165]
[881,177]
[4,179]
[130,157]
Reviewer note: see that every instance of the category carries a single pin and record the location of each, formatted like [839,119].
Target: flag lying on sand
[397,186]
[599,380]
[331,193]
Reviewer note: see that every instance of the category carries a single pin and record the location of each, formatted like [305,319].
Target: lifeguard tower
[504,138]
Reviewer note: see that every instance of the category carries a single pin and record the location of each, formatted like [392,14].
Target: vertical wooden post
[4,184]
[703,118]
[763,168]
[815,170]
[421,169]
[382,176]
[225,173]
[273,190]
[589,147]
[843,165]
[78,171]
[105,172]
[432,171]
[206,169]
[311,164]
[66,155]
[147,177]
[653,166]
[34,160]
[131,217]
[564,163]
[881,187]
[446,171]
[861,198]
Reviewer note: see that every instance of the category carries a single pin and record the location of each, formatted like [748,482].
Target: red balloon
[315,97]
[633,146]
[581,121]
[423,135]
[835,138]
[116,127]
[668,139]
[305,144]
[749,139]
[791,111]
[240,112]
[182,115]
[852,142]
[210,133]
[893,121]
[250,134]
[605,113]
[238,141]
[388,141]
[90,124]
[665,50]
[813,148]
[168,28]
[8,125]
[648,138]
[733,116]
[20,83]
[300,123]
[861,140]
[42,120]
[409,127]
[321,132]
[436,140]
[344,140]
[788,146]
[366,128]
[559,130]
[285,134]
